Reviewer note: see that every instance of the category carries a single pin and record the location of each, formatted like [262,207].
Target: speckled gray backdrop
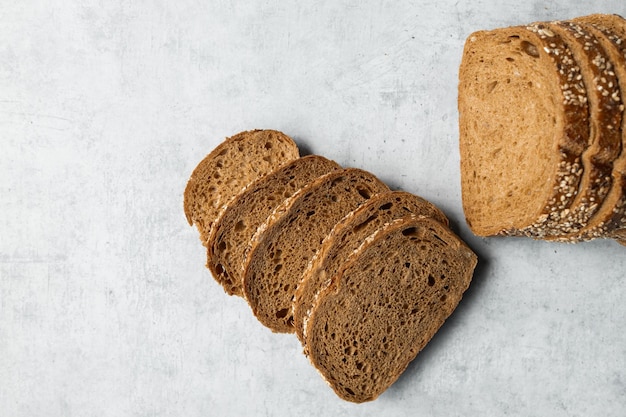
[106,308]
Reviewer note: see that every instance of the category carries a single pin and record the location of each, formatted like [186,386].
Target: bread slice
[611,217]
[284,245]
[346,237]
[605,118]
[523,121]
[235,163]
[386,303]
[233,230]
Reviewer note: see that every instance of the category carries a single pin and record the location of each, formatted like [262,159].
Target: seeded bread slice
[235,163]
[284,245]
[347,236]
[233,230]
[605,118]
[386,303]
[612,214]
[523,120]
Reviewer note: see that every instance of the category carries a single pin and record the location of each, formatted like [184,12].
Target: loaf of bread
[540,122]
[387,301]
[231,166]
[233,230]
[284,245]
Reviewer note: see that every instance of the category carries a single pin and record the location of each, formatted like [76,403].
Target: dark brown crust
[605,142]
[613,210]
[346,237]
[251,208]
[570,171]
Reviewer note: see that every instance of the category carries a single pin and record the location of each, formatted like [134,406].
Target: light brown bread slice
[386,303]
[233,230]
[605,118]
[611,216]
[523,120]
[235,163]
[284,245]
[346,237]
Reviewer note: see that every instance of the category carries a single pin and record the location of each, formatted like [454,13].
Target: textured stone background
[106,308]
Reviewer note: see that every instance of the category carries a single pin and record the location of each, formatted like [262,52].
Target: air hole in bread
[510,59]
[410,231]
[281,314]
[431,280]
[240,226]
[367,221]
[491,86]
[268,145]
[366,194]
[222,245]
[530,49]
[386,206]
[310,213]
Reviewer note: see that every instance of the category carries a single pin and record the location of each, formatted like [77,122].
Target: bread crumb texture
[541,123]
[370,272]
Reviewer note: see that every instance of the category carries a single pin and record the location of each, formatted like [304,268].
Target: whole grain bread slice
[524,125]
[283,246]
[605,118]
[385,304]
[231,166]
[233,230]
[346,237]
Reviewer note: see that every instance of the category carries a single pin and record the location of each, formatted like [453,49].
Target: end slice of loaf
[385,304]
[346,237]
[284,245]
[232,232]
[523,119]
[231,166]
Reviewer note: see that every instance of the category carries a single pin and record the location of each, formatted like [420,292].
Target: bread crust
[605,119]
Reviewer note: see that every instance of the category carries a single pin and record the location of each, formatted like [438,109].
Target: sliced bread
[385,304]
[233,230]
[346,237]
[521,100]
[610,30]
[605,119]
[283,246]
[231,166]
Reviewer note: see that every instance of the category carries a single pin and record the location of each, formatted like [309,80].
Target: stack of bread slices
[543,130]
[365,276]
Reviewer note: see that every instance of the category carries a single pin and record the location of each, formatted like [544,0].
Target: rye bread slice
[523,124]
[605,118]
[611,216]
[346,237]
[231,166]
[385,305]
[283,246]
[233,230]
